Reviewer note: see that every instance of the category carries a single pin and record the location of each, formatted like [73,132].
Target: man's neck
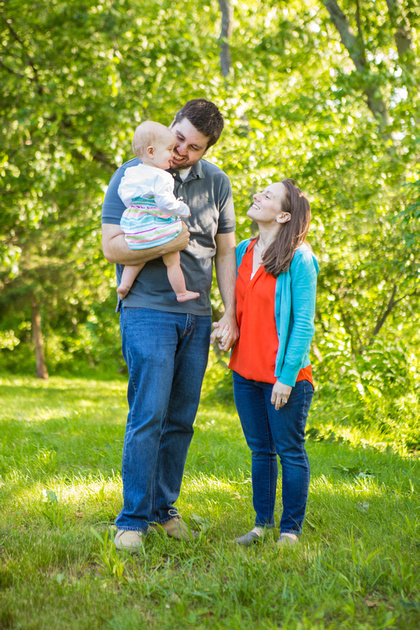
[184,172]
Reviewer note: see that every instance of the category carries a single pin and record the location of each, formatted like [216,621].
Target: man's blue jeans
[166,356]
[270,433]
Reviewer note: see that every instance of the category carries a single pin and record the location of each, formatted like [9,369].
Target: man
[165,343]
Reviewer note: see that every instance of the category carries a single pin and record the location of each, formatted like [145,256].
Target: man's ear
[284,217]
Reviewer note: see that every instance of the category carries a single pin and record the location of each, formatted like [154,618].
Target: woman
[272,378]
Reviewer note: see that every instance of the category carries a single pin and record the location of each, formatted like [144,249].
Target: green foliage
[51,509]
[111,563]
[77,77]
[377,391]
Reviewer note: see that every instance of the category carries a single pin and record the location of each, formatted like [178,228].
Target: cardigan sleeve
[240,251]
[303,273]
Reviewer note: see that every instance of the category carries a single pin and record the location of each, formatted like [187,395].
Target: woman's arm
[303,272]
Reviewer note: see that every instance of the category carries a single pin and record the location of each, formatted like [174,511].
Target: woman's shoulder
[241,248]
[304,256]
[243,244]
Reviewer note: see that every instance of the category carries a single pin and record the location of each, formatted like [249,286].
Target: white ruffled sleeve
[165,198]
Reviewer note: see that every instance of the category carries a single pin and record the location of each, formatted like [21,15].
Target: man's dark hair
[205,117]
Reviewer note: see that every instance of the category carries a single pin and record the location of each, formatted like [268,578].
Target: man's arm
[116,250]
[225,263]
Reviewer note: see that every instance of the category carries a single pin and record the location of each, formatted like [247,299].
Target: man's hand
[280,394]
[226,332]
[116,249]
[180,242]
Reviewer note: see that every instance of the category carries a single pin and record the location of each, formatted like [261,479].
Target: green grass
[357,565]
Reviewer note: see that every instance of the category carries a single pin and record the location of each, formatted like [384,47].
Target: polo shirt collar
[196,172]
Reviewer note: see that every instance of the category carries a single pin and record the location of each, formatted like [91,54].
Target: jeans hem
[166,520]
[264,525]
[132,529]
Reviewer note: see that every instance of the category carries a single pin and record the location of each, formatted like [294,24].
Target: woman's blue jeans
[270,433]
[166,355]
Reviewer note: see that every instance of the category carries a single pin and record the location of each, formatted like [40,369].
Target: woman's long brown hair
[280,252]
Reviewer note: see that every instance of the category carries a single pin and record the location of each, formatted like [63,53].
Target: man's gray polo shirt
[208,193]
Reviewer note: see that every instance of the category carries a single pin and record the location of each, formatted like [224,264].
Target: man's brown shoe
[176,528]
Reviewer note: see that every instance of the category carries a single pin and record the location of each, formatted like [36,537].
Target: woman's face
[267,206]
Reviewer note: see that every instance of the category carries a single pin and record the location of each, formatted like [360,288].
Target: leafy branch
[29,59]
[355,47]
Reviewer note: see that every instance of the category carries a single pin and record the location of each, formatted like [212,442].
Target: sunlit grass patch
[356,566]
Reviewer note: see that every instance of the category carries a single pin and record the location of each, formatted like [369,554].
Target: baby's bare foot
[188,295]
[123,291]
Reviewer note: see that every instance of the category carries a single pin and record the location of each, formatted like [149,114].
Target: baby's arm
[166,200]
[128,188]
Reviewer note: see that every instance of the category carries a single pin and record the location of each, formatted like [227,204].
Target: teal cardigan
[294,312]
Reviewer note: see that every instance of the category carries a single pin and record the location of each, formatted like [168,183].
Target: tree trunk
[225,34]
[41,366]
[355,48]
[402,34]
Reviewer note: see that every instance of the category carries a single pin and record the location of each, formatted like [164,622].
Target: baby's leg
[176,278]
[129,274]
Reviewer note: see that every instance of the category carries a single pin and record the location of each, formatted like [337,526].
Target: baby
[152,212]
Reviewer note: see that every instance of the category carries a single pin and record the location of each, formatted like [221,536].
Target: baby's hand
[186,208]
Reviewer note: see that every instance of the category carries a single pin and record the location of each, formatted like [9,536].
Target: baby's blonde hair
[148,134]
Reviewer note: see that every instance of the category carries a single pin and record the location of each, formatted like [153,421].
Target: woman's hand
[280,394]
[225,332]
[221,334]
